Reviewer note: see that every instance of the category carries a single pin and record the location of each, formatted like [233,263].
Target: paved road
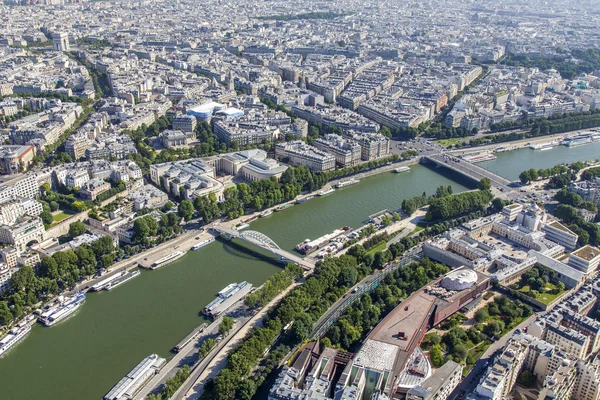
[193,387]
[471,381]
[189,354]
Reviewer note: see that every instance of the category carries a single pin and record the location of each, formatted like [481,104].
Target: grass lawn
[476,352]
[545,296]
[62,215]
[449,142]
[417,230]
[377,249]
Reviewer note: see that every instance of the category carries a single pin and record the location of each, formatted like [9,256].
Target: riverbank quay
[193,388]
[174,293]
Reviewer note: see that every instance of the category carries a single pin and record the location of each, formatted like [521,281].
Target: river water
[84,356]
[511,163]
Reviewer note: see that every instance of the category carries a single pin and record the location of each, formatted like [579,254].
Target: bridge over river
[469,170]
[263,241]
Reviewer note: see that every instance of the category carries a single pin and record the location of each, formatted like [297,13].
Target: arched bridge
[263,241]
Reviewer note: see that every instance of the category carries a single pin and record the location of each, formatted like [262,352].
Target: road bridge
[469,170]
[263,241]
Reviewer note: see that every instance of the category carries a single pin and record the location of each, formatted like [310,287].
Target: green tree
[46,217]
[5,314]
[431,339]
[206,347]
[436,356]
[493,328]
[460,351]
[186,210]
[76,228]
[526,378]
[140,230]
[482,315]
[484,184]
[225,325]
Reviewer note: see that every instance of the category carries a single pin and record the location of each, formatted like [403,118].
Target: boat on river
[266,213]
[326,192]
[13,337]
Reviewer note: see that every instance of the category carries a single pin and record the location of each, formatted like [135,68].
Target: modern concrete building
[439,385]
[585,259]
[558,233]
[251,165]
[187,179]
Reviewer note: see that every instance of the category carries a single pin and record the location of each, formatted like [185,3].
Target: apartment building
[184,123]
[372,145]
[439,385]
[23,231]
[299,153]
[501,376]
[347,152]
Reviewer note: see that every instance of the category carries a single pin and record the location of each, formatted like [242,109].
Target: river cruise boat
[240,227]
[227,292]
[13,337]
[130,385]
[266,213]
[346,183]
[308,198]
[161,262]
[203,243]
[68,307]
[543,146]
[283,207]
[581,139]
[479,157]
[121,279]
[402,169]
[326,192]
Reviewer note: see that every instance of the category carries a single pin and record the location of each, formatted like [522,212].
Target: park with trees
[28,287]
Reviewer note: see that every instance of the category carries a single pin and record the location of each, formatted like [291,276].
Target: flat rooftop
[587,252]
[409,318]
[560,226]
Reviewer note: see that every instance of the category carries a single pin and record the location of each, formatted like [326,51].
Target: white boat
[227,289]
[226,293]
[543,146]
[241,226]
[266,213]
[479,158]
[580,139]
[326,192]
[161,262]
[135,380]
[121,279]
[203,243]
[346,183]
[13,337]
[402,169]
[66,309]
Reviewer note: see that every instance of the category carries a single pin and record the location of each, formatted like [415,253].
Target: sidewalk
[195,390]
